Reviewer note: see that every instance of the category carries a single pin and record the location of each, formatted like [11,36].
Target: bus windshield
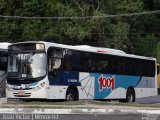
[26,65]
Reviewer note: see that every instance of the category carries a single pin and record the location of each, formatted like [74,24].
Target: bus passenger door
[54,57]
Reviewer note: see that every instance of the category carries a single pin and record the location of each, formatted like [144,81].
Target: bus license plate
[21,93]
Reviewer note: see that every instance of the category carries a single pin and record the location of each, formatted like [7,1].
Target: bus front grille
[22,95]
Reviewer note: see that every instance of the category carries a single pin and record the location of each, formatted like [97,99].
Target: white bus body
[3,67]
[57,71]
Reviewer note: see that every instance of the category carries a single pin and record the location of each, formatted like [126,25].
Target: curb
[3,100]
[76,111]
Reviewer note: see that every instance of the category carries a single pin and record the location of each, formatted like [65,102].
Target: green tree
[133,34]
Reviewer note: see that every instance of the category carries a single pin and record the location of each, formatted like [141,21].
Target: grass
[74,104]
[54,103]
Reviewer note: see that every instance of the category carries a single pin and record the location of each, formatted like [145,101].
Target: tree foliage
[133,34]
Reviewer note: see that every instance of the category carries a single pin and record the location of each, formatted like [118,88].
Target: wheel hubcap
[130,98]
[70,97]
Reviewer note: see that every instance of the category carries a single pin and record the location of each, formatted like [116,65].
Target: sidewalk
[77,111]
[79,107]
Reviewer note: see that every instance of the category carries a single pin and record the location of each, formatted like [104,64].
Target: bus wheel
[70,95]
[130,97]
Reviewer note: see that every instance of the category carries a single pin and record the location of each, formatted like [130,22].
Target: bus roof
[88,48]
[99,49]
[4,45]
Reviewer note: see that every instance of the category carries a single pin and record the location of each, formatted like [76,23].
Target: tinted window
[3,61]
[157,69]
[108,64]
[54,56]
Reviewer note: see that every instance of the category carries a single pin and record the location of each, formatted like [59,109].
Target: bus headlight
[36,88]
[8,87]
[41,85]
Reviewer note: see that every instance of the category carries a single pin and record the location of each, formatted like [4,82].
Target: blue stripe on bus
[120,81]
[65,78]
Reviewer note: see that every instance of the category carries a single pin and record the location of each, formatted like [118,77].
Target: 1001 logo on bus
[106,82]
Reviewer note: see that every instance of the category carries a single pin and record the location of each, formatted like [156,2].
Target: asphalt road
[100,117]
[88,116]
[78,117]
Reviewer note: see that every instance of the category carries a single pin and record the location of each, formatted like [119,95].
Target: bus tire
[130,96]
[70,95]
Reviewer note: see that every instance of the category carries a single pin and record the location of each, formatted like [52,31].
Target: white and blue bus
[3,67]
[44,70]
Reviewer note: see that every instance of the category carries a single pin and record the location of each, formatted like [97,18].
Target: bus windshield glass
[26,65]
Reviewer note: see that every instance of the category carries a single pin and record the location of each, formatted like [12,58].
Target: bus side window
[152,70]
[86,62]
[157,69]
[3,61]
[67,62]
[102,64]
[76,61]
